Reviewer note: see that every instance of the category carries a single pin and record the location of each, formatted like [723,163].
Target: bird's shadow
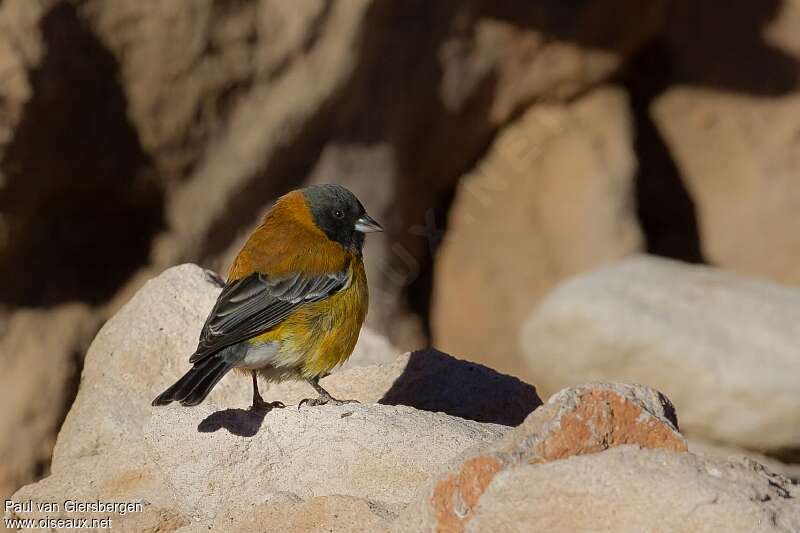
[239,422]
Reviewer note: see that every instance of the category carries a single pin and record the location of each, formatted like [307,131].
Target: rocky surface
[372,452]
[335,514]
[569,168]
[432,446]
[722,347]
[135,135]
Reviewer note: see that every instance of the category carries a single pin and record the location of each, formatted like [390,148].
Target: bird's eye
[338,213]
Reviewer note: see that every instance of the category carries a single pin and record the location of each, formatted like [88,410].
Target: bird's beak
[367,224]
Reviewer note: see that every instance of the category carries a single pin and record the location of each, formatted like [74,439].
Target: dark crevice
[80,204]
[424,136]
[419,293]
[703,44]
[722,45]
[666,211]
[785,455]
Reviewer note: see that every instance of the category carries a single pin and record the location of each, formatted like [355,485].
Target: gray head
[340,215]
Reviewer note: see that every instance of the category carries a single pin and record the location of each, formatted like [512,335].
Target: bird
[294,301]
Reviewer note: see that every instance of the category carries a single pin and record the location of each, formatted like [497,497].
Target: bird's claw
[322,400]
[262,406]
[342,402]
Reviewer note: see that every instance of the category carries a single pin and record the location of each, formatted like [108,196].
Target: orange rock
[582,420]
[456,494]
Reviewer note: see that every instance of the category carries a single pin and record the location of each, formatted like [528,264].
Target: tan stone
[531,53]
[553,198]
[218,107]
[740,161]
[456,495]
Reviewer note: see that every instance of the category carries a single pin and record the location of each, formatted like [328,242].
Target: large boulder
[721,346]
[430,446]
[552,198]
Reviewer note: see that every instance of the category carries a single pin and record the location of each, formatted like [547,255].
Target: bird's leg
[258,402]
[325,397]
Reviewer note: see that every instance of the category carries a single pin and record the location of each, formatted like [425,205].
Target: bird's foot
[260,406]
[324,399]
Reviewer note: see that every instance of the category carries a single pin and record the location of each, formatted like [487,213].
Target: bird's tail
[195,385]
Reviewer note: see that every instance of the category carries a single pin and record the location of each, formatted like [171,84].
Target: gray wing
[253,305]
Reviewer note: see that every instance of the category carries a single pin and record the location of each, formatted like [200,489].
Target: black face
[339,214]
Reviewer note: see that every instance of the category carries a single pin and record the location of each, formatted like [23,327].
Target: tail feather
[195,385]
[204,386]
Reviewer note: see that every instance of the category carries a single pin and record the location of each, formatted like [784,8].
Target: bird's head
[340,215]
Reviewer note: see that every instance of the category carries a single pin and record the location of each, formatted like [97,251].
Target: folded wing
[256,304]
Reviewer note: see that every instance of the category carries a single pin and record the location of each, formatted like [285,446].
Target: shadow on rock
[435,381]
[240,422]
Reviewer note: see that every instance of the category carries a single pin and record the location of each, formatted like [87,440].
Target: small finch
[295,299]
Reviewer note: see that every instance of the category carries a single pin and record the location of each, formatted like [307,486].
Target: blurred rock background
[506,148]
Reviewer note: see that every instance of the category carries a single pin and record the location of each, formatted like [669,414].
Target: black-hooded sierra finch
[295,299]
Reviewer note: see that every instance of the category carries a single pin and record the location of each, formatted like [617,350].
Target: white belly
[259,355]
